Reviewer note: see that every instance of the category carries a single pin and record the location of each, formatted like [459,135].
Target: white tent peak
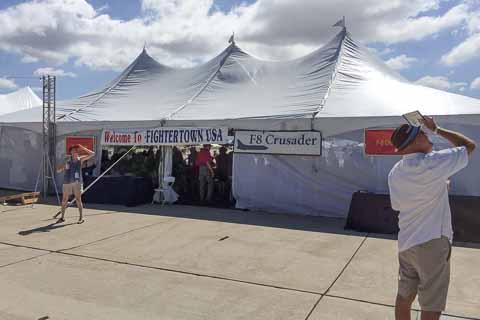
[21,99]
[340,23]
[232,38]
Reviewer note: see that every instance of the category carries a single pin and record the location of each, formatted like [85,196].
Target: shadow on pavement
[253,218]
[46,228]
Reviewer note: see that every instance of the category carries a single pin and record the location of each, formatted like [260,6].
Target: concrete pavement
[181,262]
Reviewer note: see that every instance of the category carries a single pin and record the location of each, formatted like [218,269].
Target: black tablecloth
[371,212]
[126,190]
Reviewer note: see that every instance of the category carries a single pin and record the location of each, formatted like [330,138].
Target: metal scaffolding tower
[49,134]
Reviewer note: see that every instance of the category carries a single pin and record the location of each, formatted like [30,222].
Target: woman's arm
[90,154]
[60,168]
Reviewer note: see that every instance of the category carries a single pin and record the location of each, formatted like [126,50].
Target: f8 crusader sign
[279,142]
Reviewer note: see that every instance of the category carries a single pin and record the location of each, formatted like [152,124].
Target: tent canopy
[342,80]
[21,99]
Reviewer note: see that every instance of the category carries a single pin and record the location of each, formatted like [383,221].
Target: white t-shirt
[418,189]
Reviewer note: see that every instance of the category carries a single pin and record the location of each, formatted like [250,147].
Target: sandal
[80,221]
[60,220]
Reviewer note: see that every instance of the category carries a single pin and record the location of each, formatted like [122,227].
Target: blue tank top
[74,172]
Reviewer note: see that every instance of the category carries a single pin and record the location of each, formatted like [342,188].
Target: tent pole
[54,182]
[38,177]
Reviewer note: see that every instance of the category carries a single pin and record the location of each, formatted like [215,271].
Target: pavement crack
[83,244]
[338,276]
[24,260]
[190,273]
[393,306]
[24,246]
[109,237]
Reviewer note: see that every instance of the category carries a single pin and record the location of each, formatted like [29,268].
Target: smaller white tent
[19,100]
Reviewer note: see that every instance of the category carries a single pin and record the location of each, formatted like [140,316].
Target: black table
[125,190]
[370,212]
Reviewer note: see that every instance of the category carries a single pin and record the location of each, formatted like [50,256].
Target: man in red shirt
[205,173]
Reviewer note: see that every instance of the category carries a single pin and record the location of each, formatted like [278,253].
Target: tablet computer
[414,118]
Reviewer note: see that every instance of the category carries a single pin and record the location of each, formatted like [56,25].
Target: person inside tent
[418,186]
[204,161]
[72,181]
[192,175]
[223,172]
[179,172]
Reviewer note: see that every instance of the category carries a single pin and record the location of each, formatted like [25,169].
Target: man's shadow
[47,228]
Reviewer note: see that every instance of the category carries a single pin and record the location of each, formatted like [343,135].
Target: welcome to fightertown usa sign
[279,142]
[165,136]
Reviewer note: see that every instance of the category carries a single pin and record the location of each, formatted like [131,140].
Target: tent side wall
[20,157]
[309,185]
[324,185]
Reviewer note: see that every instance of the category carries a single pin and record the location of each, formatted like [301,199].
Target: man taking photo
[72,180]
[419,190]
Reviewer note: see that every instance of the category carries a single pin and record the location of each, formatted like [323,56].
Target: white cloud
[400,62]
[469,49]
[465,51]
[29,59]
[7,83]
[383,52]
[473,24]
[386,51]
[413,27]
[53,72]
[60,31]
[475,85]
[440,82]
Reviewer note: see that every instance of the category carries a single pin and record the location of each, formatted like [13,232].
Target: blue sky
[87,43]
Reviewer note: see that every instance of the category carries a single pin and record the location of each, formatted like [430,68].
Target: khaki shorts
[72,188]
[425,269]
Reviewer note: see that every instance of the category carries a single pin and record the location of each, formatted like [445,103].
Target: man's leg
[209,179]
[202,184]
[434,265]
[78,200]
[408,280]
[403,306]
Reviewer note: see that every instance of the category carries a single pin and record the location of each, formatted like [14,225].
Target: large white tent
[339,89]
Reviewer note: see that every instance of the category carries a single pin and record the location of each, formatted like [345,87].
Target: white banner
[165,136]
[273,142]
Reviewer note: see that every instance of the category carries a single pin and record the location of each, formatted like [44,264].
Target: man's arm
[60,168]
[90,155]
[457,139]
[210,168]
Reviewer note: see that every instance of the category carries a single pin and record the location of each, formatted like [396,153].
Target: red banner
[87,142]
[377,142]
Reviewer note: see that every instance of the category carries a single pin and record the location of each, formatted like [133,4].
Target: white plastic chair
[165,192]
